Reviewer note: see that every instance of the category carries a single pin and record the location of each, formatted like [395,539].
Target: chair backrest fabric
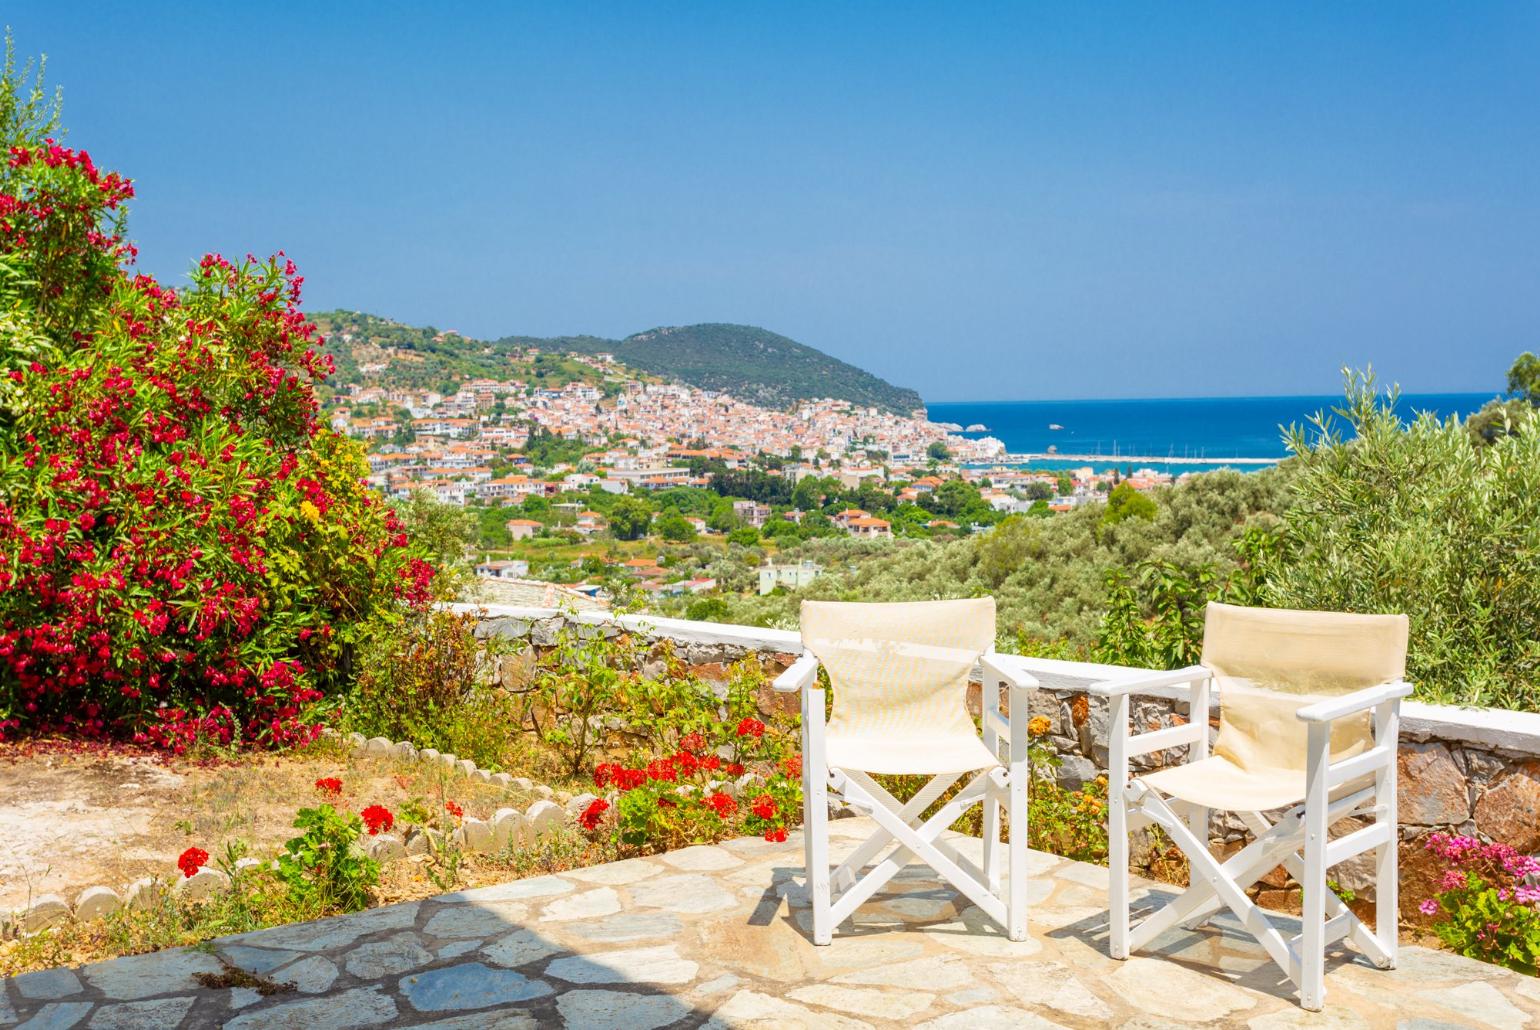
[899,669]
[1270,662]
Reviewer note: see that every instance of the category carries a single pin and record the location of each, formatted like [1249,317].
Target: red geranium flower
[764,807]
[777,835]
[692,743]
[751,727]
[593,813]
[191,861]
[792,765]
[721,804]
[377,818]
[735,768]
[329,785]
[454,809]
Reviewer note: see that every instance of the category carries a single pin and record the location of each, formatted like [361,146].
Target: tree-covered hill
[753,364]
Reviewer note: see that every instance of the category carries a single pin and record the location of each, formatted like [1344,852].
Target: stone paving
[716,937]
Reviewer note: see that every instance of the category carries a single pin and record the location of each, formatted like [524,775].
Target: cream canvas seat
[899,675]
[1309,712]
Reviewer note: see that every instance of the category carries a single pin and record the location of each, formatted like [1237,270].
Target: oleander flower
[377,818]
[191,861]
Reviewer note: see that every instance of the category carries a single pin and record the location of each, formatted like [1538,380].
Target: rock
[991,1017]
[656,965]
[482,775]
[390,957]
[1163,988]
[313,975]
[466,767]
[509,829]
[515,671]
[243,864]
[601,901]
[48,985]
[380,746]
[58,1015]
[513,890]
[1074,772]
[201,884]
[477,834]
[97,902]
[469,985]
[543,791]
[1053,985]
[523,783]
[865,1001]
[685,893]
[1431,789]
[619,1010]
[574,807]
[406,751]
[502,779]
[143,976]
[448,760]
[417,843]
[745,782]
[143,892]
[753,1010]
[1510,809]
[358,1008]
[141,1015]
[702,858]
[386,847]
[519,948]
[936,972]
[628,926]
[543,818]
[428,755]
[259,960]
[630,870]
[476,920]
[46,910]
[355,741]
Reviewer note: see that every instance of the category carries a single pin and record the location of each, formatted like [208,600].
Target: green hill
[752,364]
[749,363]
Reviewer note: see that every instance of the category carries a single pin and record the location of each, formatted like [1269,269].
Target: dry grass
[73,819]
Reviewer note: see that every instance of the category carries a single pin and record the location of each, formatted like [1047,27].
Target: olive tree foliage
[1394,517]
[1048,576]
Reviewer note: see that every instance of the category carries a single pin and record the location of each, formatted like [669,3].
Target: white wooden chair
[899,673]
[1309,710]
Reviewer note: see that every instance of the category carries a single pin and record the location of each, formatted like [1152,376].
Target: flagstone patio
[715,936]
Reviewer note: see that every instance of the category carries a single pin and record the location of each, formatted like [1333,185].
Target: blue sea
[1212,429]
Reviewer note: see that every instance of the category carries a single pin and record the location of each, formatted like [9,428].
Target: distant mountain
[752,364]
[749,363]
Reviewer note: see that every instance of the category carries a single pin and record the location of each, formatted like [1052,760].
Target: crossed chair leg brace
[900,824]
[1298,841]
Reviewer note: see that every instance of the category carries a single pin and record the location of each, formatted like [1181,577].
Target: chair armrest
[1147,681]
[803,672]
[1006,667]
[1351,704]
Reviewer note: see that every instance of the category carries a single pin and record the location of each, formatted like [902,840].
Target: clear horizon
[1119,202]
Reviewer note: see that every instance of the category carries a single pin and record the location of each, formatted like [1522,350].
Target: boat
[1055,426]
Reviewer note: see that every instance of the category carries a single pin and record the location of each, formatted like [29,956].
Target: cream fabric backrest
[1270,662]
[899,669]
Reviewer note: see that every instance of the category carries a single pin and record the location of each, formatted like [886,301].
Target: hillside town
[544,464]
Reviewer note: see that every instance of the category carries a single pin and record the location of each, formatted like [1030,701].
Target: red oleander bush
[184,553]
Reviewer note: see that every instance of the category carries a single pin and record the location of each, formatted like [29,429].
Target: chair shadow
[1223,929]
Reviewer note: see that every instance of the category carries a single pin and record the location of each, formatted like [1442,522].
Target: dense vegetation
[752,364]
[184,552]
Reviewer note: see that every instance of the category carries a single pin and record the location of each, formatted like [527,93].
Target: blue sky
[976,200]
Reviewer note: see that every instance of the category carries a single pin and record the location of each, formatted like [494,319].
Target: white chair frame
[836,895]
[1299,840]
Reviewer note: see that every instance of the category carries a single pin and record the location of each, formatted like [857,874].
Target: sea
[1176,435]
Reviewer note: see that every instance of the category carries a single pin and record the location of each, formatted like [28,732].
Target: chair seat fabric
[928,754]
[1217,782]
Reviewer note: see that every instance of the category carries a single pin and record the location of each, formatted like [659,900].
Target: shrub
[1412,518]
[184,552]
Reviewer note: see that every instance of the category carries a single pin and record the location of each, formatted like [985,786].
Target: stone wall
[1473,771]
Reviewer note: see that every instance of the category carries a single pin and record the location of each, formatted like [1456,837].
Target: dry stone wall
[1472,771]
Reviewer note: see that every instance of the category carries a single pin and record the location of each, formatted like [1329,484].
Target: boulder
[1431,790]
[544,817]
[1510,809]
[201,884]
[386,847]
[46,910]
[97,902]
